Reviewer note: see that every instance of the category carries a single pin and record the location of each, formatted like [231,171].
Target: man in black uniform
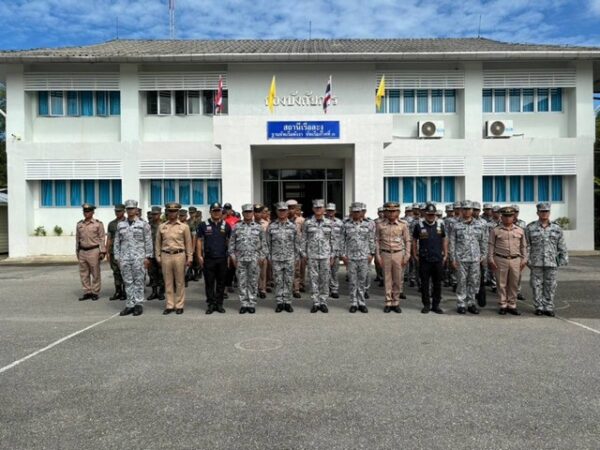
[111,231]
[430,250]
[212,239]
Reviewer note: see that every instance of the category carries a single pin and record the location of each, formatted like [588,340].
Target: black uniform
[215,237]
[431,239]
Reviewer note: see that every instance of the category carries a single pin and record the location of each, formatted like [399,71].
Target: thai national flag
[219,98]
[327,98]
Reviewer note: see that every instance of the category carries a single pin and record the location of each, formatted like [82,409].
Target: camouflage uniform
[468,247]
[283,246]
[318,244]
[247,245]
[334,284]
[133,244]
[357,244]
[450,273]
[111,231]
[547,252]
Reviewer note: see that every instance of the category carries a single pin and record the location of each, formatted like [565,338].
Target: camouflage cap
[318,203]
[356,207]
[291,202]
[415,206]
[281,206]
[172,206]
[363,206]
[156,210]
[422,206]
[119,207]
[380,209]
[466,204]
[487,206]
[456,205]
[247,207]
[449,207]
[477,206]
[408,208]
[496,208]
[131,204]
[330,207]
[192,209]
[543,206]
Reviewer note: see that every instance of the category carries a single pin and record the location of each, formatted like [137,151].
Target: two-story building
[461,118]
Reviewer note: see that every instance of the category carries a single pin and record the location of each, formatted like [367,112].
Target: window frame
[81,182]
[535,100]
[522,189]
[401,187]
[385,107]
[177,187]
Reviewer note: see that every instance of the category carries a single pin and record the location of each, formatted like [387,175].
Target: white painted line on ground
[54,344]
[585,327]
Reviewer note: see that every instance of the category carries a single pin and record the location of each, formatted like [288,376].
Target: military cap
[225,206]
[364,206]
[247,207]
[192,209]
[515,207]
[217,206]
[291,202]
[415,206]
[422,206]
[430,208]
[119,207]
[408,208]
[507,211]
[449,207]
[131,204]
[438,212]
[496,208]
[543,206]
[477,206]
[356,207]
[456,205]
[380,209]
[330,207]
[487,206]
[318,203]
[172,206]
[466,204]
[258,207]
[88,207]
[391,206]
[157,210]
[281,206]
[183,212]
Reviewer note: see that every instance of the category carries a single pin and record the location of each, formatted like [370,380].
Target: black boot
[161,293]
[154,293]
[116,295]
[123,294]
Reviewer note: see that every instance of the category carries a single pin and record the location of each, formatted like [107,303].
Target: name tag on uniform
[208,229]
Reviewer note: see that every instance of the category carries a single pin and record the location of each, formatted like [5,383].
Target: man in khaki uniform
[507,258]
[90,249]
[393,244]
[173,248]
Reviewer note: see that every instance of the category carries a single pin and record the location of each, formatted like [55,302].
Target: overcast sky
[52,23]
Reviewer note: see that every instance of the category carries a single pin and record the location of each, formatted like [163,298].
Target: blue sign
[303,130]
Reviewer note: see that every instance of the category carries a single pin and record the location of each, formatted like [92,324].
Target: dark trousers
[230,276]
[215,270]
[433,271]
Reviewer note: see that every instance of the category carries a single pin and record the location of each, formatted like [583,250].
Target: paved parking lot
[296,380]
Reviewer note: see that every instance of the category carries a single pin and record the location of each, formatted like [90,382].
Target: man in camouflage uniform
[334,284]
[259,218]
[357,250]
[371,223]
[468,248]
[481,294]
[318,248]
[154,271]
[193,273]
[247,250]
[133,249]
[547,252]
[296,218]
[111,231]
[282,250]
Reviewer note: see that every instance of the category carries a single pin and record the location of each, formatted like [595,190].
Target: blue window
[393,189]
[515,100]
[436,189]
[487,101]
[499,100]
[104,192]
[213,190]
[449,189]
[450,100]
[115,103]
[75,193]
[557,188]
[394,101]
[86,99]
[409,101]
[542,103]
[169,190]
[47,193]
[102,103]
[184,192]
[89,191]
[43,103]
[500,187]
[408,189]
[528,189]
[198,192]
[527,100]
[556,99]
[117,195]
[421,189]
[72,104]
[543,188]
[422,101]
[60,193]
[515,188]
[56,103]
[488,189]
[437,101]
[156,192]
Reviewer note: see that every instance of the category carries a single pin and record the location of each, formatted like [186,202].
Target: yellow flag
[380,92]
[272,94]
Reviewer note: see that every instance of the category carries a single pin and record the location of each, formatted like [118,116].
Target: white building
[134,119]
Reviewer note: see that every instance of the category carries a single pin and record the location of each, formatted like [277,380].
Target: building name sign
[304,130]
[296,99]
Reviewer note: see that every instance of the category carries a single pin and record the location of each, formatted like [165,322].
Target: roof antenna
[309,29]
[117,26]
[479,30]
[172,19]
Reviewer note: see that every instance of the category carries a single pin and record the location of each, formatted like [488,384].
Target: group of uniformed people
[465,249]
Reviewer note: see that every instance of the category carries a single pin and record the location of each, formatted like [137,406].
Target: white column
[237,174]
[585,120]
[130,130]
[368,175]
[472,101]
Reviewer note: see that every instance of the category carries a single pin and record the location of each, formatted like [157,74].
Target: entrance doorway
[304,185]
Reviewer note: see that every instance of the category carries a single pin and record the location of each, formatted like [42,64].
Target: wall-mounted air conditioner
[431,129]
[499,128]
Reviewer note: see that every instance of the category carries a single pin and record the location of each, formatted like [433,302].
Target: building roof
[299,50]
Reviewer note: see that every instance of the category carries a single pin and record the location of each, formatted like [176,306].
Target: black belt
[89,248]
[506,257]
[172,252]
[390,251]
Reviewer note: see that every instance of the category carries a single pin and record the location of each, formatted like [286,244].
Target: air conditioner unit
[499,128]
[431,129]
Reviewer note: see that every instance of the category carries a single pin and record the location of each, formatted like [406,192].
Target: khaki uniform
[508,249]
[89,243]
[173,248]
[393,244]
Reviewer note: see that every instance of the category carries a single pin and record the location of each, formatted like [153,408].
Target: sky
[28,24]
